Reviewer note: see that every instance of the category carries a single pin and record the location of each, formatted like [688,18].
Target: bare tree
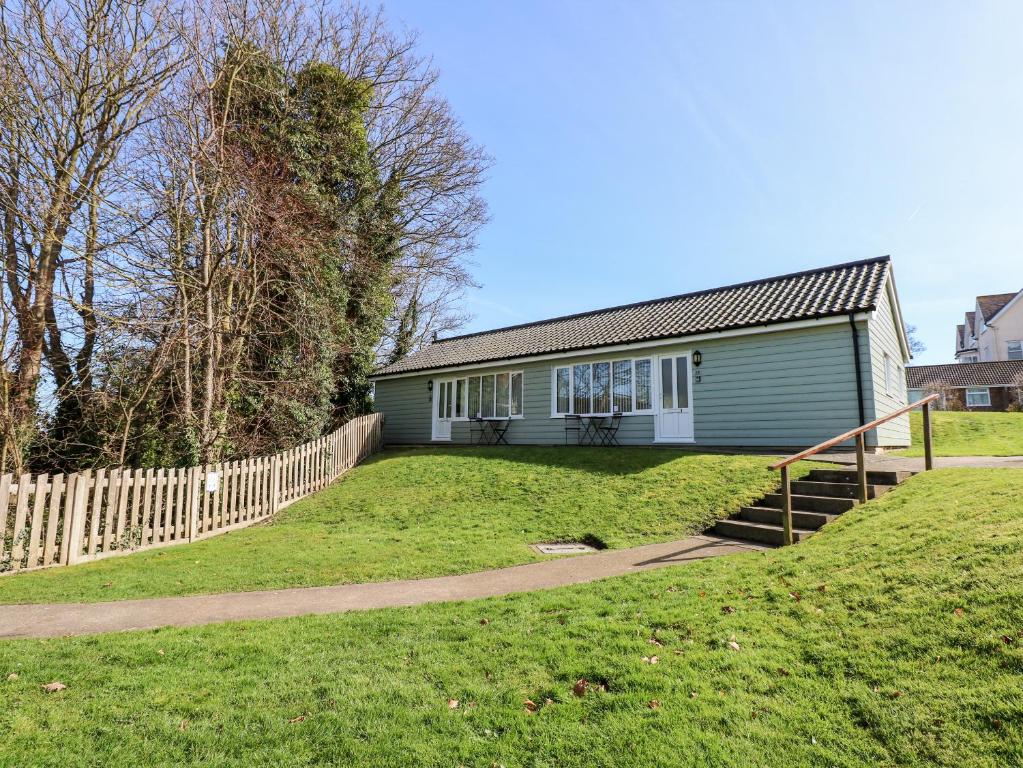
[80,80]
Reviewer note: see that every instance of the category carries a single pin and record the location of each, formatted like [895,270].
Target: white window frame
[570,365]
[972,392]
[1018,351]
[466,416]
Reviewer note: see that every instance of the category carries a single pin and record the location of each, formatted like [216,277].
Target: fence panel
[62,520]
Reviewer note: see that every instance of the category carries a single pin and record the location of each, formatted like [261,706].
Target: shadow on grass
[623,460]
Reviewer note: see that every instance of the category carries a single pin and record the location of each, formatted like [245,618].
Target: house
[993,331]
[779,362]
[994,386]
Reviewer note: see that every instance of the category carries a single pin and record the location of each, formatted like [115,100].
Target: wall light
[697,358]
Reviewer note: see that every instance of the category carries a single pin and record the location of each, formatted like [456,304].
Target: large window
[493,396]
[605,387]
[1016,350]
[978,397]
[892,377]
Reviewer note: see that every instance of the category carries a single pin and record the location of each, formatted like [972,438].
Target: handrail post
[786,499]
[928,452]
[861,468]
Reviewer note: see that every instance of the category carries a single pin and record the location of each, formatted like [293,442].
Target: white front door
[442,409]
[674,419]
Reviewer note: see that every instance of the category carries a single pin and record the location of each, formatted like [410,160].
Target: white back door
[443,397]
[674,420]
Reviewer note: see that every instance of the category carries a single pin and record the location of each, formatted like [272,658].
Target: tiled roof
[997,374]
[824,292]
[959,337]
[992,305]
[971,321]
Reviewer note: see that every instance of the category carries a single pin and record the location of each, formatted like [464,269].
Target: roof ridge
[676,297]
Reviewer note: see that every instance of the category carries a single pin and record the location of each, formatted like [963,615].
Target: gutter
[859,370]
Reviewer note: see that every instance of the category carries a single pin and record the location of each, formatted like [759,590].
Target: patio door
[443,408]
[674,420]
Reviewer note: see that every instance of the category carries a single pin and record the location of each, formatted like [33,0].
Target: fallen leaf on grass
[822,587]
[796,596]
[452,703]
[895,694]
[54,687]
[654,704]
[1008,640]
[727,609]
[108,584]
[530,705]
[12,677]
[484,622]
[651,659]
[183,726]
[579,689]
[958,611]
[693,694]
[299,719]
[733,645]
[783,672]
[159,652]
[655,641]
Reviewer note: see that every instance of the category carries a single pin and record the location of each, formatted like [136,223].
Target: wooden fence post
[193,503]
[78,512]
[786,505]
[861,468]
[928,448]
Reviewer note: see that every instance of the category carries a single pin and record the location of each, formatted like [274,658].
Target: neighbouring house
[969,386]
[784,361]
[993,331]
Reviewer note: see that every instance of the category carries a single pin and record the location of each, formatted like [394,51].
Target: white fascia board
[893,299]
[638,346]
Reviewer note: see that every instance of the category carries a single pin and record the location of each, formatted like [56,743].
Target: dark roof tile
[1003,373]
[823,292]
[993,304]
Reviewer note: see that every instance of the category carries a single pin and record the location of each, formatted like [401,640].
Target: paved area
[61,619]
[894,462]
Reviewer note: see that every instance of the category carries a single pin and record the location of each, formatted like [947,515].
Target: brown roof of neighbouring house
[993,304]
[823,292]
[1000,374]
[959,337]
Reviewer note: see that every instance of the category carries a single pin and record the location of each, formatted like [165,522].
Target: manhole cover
[565,548]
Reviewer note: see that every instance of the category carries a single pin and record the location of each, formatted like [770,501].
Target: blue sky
[644,149]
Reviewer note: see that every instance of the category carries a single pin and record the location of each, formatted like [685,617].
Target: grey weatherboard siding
[786,388]
[778,365]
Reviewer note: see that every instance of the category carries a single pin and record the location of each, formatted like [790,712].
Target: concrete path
[894,462]
[61,619]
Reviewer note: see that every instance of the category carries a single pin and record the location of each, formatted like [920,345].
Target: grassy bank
[893,637]
[432,512]
[969,434]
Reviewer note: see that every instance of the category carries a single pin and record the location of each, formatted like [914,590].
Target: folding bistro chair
[573,424]
[609,431]
[498,428]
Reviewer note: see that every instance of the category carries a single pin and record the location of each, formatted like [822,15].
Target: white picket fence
[62,520]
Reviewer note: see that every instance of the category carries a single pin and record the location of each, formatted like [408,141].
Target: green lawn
[961,433]
[431,512]
[893,637]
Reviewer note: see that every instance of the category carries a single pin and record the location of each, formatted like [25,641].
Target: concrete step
[810,521]
[836,490]
[761,532]
[874,476]
[830,504]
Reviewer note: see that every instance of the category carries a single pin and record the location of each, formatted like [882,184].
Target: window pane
[516,394]
[978,397]
[487,406]
[460,398]
[682,373]
[623,385]
[474,397]
[644,401]
[667,399]
[563,383]
[581,382]
[450,389]
[602,387]
[502,396]
[441,405]
[1016,350]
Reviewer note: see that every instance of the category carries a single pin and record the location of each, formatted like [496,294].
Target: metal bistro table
[599,429]
[489,431]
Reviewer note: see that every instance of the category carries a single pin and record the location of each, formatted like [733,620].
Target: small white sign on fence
[212,482]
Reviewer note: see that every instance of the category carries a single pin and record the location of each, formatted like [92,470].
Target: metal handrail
[861,468]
